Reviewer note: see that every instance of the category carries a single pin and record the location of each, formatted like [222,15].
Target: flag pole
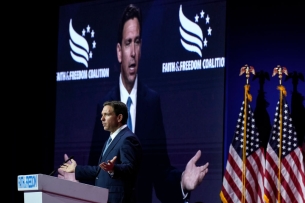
[280,70]
[247,96]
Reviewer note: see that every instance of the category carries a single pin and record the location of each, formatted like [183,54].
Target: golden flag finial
[247,69]
[280,70]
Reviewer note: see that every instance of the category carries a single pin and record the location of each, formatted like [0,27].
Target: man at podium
[120,159]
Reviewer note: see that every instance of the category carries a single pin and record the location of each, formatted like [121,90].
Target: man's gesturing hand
[108,166]
[64,170]
[193,175]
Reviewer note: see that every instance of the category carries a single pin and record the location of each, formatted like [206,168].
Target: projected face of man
[129,52]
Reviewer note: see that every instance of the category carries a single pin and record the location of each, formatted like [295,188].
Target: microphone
[71,157]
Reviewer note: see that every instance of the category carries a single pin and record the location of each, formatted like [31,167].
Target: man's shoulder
[128,134]
[112,94]
[145,89]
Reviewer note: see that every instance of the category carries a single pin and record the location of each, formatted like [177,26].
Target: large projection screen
[183,59]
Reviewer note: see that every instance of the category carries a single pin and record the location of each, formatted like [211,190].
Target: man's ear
[120,118]
[119,52]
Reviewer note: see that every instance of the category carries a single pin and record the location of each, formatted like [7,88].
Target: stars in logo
[207,21]
[92,36]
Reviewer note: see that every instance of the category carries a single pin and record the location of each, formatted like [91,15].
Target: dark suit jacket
[156,171]
[127,148]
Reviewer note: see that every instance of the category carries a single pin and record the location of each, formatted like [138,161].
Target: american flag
[283,151]
[244,182]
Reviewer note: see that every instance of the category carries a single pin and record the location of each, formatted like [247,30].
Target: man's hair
[118,108]
[130,12]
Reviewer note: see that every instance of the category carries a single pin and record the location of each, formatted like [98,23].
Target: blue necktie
[107,145]
[129,124]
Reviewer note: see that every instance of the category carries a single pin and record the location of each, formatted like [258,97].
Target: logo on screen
[81,50]
[193,39]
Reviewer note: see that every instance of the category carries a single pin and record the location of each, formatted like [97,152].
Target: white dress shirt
[133,95]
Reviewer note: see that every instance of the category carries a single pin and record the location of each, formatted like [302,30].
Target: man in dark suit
[170,184]
[120,159]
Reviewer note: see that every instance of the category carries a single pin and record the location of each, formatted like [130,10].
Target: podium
[40,188]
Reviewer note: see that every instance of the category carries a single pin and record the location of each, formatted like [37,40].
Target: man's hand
[66,171]
[193,175]
[69,167]
[109,165]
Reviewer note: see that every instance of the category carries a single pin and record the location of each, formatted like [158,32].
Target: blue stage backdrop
[183,59]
